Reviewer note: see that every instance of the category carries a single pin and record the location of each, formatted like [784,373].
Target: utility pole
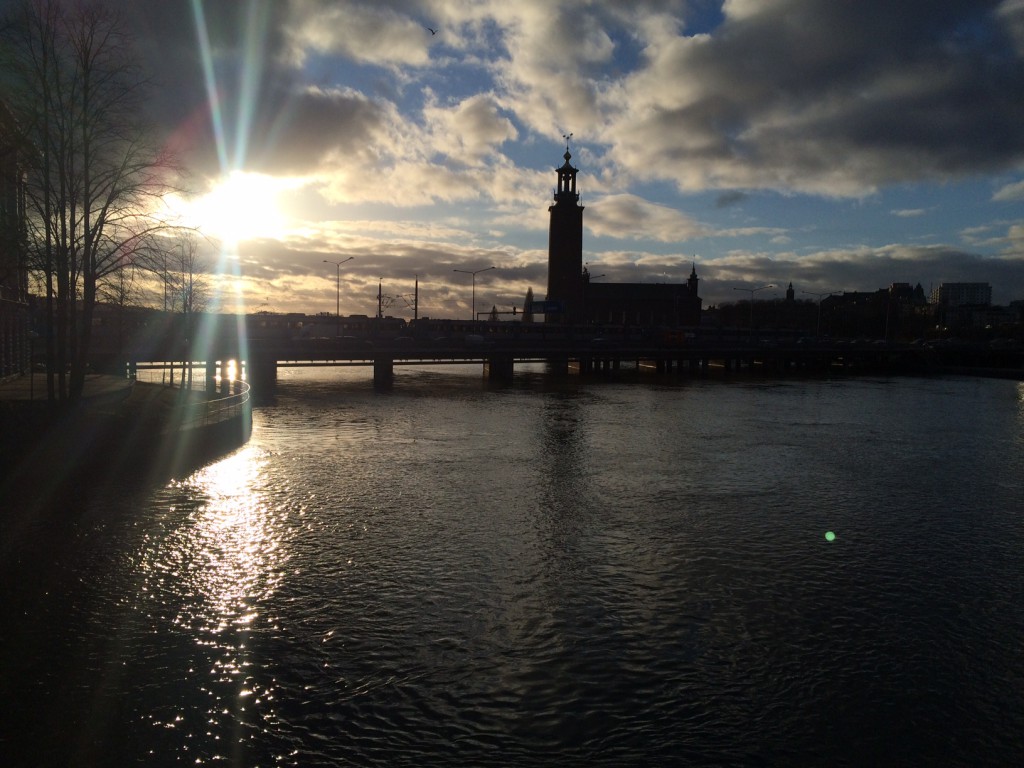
[337,292]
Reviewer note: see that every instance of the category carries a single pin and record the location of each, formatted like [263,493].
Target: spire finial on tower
[567,154]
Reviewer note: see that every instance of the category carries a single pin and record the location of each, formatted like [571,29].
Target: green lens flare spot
[829,536]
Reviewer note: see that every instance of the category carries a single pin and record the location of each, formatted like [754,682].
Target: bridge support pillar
[210,376]
[500,367]
[558,366]
[262,373]
[383,371]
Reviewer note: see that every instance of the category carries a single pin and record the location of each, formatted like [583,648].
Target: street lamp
[474,273]
[337,300]
[752,291]
[820,296]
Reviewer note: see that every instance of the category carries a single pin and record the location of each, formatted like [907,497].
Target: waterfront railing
[198,406]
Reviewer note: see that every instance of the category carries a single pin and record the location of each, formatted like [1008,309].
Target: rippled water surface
[554,572]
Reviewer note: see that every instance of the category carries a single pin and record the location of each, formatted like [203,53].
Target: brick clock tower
[565,246]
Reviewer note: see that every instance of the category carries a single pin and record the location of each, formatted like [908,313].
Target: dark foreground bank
[124,430]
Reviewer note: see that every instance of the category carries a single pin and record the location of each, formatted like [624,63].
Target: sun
[241,206]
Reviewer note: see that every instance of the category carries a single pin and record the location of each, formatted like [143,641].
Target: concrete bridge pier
[500,367]
[210,374]
[383,370]
[262,373]
[558,366]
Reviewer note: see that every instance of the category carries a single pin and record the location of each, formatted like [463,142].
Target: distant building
[14,319]
[962,305]
[962,294]
[897,312]
[574,298]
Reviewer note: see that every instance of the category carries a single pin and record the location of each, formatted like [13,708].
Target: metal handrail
[201,413]
[198,412]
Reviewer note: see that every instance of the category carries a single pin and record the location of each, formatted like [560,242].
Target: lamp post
[820,297]
[337,299]
[752,291]
[474,273]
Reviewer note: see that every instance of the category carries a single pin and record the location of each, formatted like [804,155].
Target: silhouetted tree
[77,93]
[188,290]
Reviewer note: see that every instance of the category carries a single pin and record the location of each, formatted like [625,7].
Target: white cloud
[469,131]
[363,32]
[1010,192]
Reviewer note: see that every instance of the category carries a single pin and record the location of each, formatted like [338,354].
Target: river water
[552,572]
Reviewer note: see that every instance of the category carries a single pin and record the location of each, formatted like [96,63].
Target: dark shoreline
[140,435]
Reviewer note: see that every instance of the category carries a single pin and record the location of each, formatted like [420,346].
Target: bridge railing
[200,412]
[195,410]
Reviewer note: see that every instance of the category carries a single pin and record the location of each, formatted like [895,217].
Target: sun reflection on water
[220,560]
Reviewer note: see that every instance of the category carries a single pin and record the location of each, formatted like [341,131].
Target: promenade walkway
[98,387]
[116,395]
[122,427]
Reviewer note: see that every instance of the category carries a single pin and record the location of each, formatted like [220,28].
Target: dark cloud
[863,270]
[836,97]
[249,82]
[730,198]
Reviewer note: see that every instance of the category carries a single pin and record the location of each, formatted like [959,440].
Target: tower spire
[565,244]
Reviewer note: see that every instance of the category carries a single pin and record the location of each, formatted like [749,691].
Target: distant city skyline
[837,146]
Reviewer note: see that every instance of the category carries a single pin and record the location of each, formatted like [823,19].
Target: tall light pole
[752,291]
[474,273]
[337,299]
[820,297]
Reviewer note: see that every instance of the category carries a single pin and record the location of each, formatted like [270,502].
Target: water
[554,572]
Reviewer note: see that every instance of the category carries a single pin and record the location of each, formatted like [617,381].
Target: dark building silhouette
[565,246]
[897,312]
[578,300]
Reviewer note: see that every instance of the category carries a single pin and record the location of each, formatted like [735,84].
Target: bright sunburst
[242,206]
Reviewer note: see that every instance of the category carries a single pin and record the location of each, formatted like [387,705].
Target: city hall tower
[565,246]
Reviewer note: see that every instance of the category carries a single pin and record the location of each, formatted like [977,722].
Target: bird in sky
[432,31]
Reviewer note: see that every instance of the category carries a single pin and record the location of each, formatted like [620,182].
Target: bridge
[264,343]
[498,355]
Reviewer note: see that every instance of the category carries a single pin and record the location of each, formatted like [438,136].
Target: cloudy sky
[834,145]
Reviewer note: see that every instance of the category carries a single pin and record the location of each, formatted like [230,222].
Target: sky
[837,146]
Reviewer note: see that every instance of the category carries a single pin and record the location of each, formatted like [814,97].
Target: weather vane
[566,136]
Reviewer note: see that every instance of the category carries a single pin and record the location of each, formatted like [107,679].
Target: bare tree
[78,93]
[121,291]
[185,278]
